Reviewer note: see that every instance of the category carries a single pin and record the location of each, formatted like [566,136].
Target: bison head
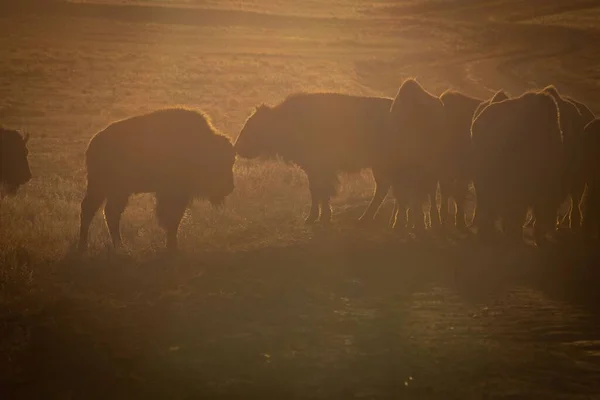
[256,138]
[14,167]
[220,172]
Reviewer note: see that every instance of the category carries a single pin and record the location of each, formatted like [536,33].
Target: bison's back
[343,131]
[518,143]
[499,96]
[162,148]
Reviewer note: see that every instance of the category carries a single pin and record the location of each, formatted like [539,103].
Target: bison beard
[14,167]
[324,134]
[175,153]
[512,174]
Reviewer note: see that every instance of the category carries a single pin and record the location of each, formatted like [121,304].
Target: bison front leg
[461,195]
[326,211]
[115,205]
[89,206]
[486,211]
[315,194]
[169,212]
[447,217]
[513,219]
[382,187]
[576,215]
[322,186]
[590,203]
[545,220]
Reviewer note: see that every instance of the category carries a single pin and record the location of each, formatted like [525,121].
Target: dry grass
[257,304]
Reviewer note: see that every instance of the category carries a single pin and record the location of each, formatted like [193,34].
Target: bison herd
[521,154]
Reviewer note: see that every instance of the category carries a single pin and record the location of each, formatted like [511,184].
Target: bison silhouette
[457,168]
[518,161]
[324,134]
[174,153]
[574,116]
[590,204]
[415,136]
[14,166]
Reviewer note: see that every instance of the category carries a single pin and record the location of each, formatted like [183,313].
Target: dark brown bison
[518,161]
[175,153]
[590,204]
[572,122]
[499,96]
[456,169]
[324,134]
[414,140]
[14,167]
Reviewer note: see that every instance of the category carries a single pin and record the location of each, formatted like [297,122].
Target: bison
[573,121]
[518,160]
[324,134]
[14,167]
[414,141]
[174,153]
[590,204]
[456,171]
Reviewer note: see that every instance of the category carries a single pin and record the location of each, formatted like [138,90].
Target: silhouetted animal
[175,153]
[572,122]
[14,167]
[499,96]
[518,161]
[415,137]
[324,134]
[590,204]
[456,167]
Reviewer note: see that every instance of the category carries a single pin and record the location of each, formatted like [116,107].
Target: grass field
[257,305]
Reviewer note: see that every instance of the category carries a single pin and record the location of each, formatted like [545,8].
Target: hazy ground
[258,305]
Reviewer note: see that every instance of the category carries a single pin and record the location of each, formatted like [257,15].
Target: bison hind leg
[115,205]
[513,220]
[545,221]
[382,187]
[89,206]
[326,210]
[590,223]
[169,212]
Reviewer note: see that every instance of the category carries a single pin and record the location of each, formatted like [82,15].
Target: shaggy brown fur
[324,134]
[14,167]
[590,204]
[572,122]
[499,96]
[175,153]
[518,157]
[415,138]
[457,170]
